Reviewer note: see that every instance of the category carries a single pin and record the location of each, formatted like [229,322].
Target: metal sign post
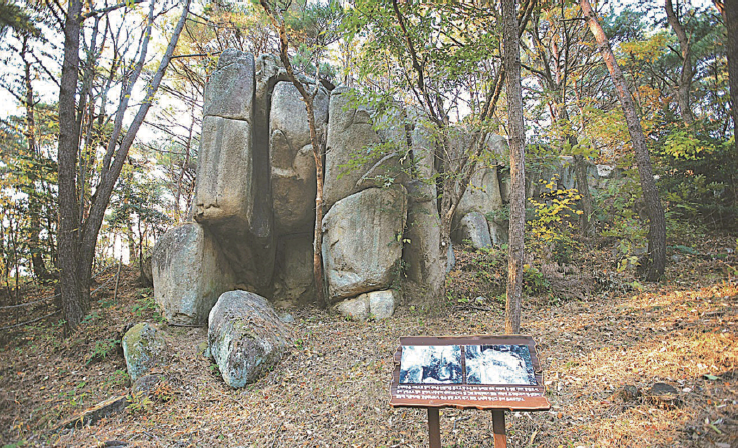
[496,373]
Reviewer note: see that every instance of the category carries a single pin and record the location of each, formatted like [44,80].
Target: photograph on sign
[499,364]
[431,364]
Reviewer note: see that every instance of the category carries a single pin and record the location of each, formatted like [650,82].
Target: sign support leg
[498,427]
[434,428]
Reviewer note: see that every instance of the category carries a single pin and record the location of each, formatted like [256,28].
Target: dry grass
[331,390]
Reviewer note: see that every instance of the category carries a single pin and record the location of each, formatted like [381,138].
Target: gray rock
[146,384]
[362,241]
[144,347]
[497,148]
[292,160]
[375,304]
[350,135]
[498,231]
[474,228]
[246,337]
[230,90]
[293,277]
[225,190]
[356,309]
[381,303]
[424,267]
[483,195]
[287,318]
[189,274]
[232,197]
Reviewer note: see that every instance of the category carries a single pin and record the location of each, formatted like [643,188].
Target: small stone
[663,394]
[147,383]
[627,393]
[143,348]
[287,318]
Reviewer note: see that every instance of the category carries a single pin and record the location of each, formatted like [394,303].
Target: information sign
[496,373]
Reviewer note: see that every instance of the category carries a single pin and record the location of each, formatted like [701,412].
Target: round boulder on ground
[246,337]
[144,347]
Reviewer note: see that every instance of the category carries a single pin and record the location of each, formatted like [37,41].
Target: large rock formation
[350,142]
[362,243]
[190,273]
[254,204]
[232,197]
[245,336]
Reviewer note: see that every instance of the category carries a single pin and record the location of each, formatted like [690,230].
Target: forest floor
[332,388]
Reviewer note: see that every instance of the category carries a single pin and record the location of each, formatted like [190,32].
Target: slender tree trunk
[685,77]
[34,203]
[729,11]
[77,241]
[73,304]
[516,126]
[657,225]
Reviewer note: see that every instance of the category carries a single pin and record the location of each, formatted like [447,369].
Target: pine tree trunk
[516,125]
[657,225]
[74,305]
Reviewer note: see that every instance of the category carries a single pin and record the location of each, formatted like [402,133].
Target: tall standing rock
[190,273]
[232,197]
[291,157]
[350,138]
[362,241]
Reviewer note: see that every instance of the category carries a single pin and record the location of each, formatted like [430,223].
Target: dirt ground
[332,388]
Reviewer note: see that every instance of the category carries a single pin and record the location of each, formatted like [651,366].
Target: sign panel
[483,372]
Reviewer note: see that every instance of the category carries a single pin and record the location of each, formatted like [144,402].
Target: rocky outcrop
[474,229]
[245,336]
[255,199]
[362,243]
[190,273]
[232,197]
[144,347]
[348,154]
[291,157]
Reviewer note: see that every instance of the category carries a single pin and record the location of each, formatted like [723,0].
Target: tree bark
[729,11]
[73,305]
[685,77]
[516,126]
[77,240]
[656,262]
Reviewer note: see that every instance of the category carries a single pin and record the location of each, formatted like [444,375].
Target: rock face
[483,195]
[293,276]
[362,241]
[291,157]
[190,273]
[232,198]
[350,134]
[230,90]
[375,304]
[473,228]
[144,347]
[245,336]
